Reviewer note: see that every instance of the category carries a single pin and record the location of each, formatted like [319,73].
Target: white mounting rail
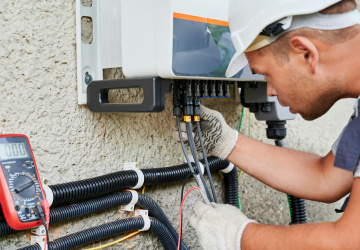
[105,49]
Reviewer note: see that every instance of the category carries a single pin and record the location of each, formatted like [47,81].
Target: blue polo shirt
[335,146]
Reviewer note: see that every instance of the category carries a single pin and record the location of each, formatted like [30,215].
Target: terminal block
[266,108]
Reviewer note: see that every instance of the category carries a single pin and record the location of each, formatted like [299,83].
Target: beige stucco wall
[38,97]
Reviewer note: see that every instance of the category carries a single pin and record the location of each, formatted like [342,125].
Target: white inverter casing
[169,39]
[176,39]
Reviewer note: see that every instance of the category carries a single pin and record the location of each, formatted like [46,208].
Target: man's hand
[218,137]
[219,226]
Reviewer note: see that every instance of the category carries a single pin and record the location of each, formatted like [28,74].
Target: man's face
[311,95]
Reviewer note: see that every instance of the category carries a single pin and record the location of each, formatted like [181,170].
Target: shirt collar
[357,107]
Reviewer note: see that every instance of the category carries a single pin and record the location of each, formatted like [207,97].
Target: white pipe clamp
[40,230]
[135,166]
[145,215]
[40,240]
[228,169]
[49,194]
[193,161]
[202,167]
[135,197]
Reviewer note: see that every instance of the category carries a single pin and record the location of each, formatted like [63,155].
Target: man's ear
[305,51]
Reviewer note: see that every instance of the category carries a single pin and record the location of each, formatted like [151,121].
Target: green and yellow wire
[114,242]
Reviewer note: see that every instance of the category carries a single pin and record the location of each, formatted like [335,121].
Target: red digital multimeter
[20,186]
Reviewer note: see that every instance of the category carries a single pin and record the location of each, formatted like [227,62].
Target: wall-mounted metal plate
[105,49]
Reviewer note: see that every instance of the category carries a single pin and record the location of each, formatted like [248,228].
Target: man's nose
[270,90]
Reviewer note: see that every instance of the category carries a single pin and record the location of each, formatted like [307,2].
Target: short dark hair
[281,46]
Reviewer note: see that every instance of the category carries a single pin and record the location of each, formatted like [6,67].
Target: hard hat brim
[237,63]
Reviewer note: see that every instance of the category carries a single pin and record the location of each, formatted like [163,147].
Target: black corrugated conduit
[107,230]
[231,187]
[95,205]
[89,188]
[297,205]
[5,229]
[298,210]
[156,212]
[152,177]
[80,190]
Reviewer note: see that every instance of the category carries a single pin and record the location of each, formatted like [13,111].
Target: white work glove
[219,226]
[218,137]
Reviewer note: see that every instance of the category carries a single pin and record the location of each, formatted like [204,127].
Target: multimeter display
[20,189]
[13,151]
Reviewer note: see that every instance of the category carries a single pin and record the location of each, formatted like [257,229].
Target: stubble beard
[312,99]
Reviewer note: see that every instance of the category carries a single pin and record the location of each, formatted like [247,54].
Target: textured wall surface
[38,97]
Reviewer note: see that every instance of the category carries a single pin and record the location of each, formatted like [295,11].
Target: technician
[309,53]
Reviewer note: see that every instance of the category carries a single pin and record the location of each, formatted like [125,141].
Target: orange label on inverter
[200,19]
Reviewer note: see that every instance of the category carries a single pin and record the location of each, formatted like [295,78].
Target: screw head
[88,79]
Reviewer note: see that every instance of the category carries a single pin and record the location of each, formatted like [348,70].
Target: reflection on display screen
[10,151]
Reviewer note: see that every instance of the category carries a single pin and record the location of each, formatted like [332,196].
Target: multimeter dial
[24,186]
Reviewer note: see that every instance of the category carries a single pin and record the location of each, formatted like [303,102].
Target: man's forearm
[342,234]
[294,172]
[305,236]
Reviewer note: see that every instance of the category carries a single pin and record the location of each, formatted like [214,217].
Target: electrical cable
[221,174]
[184,150]
[181,207]
[249,124]
[114,242]
[231,187]
[177,111]
[152,177]
[297,207]
[241,117]
[46,208]
[194,153]
[43,213]
[110,229]
[47,240]
[182,195]
[240,172]
[206,162]
[288,199]
[183,187]
[156,212]
[110,201]
[89,188]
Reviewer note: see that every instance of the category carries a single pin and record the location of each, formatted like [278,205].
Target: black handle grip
[154,95]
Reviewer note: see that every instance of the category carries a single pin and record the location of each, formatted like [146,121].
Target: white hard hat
[248,18]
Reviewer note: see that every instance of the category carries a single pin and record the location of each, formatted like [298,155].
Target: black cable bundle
[298,210]
[107,230]
[152,177]
[93,187]
[89,188]
[297,205]
[95,205]
[68,212]
[5,229]
[156,212]
[231,187]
